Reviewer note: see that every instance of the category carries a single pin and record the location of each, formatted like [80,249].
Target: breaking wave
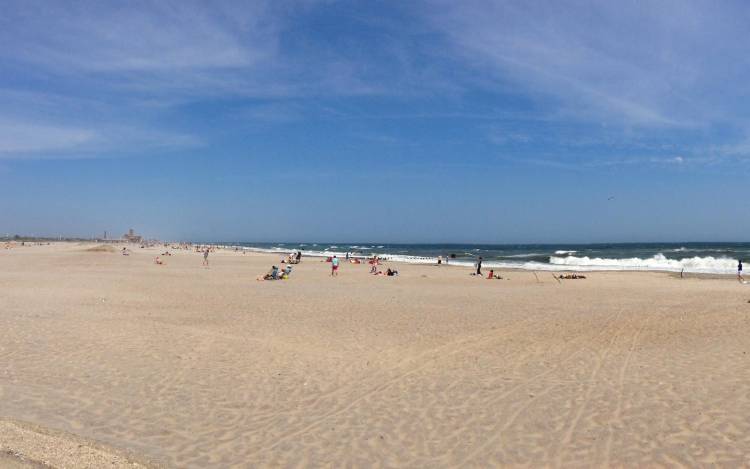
[659,262]
[717,265]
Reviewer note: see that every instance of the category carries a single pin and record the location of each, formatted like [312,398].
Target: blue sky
[432,121]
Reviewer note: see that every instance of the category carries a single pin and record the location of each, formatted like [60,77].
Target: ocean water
[714,258]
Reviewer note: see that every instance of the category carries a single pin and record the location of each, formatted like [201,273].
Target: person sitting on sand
[125,252]
[391,272]
[492,276]
[272,274]
[287,272]
[158,261]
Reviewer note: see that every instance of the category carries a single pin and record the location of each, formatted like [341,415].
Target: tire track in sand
[568,437]
[457,347]
[431,356]
[620,393]
[497,431]
[428,357]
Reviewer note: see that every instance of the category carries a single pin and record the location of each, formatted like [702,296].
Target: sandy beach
[183,366]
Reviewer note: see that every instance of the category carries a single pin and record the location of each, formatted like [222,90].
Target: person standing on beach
[739,271]
[440,260]
[205,258]
[479,266]
[334,266]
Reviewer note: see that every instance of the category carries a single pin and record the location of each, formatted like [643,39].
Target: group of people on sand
[276,274]
[571,276]
[388,273]
[293,258]
[441,259]
[478,267]
[374,263]
[13,244]
[159,261]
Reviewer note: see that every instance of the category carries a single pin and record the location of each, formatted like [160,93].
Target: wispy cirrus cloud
[33,140]
[637,75]
[23,138]
[138,36]
[658,64]
[197,50]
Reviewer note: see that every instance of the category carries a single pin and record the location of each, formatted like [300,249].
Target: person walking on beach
[479,266]
[334,266]
[205,258]
[739,271]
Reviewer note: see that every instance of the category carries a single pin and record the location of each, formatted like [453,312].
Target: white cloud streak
[137,36]
[19,137]
[649,64]
[670,66]
[31,140]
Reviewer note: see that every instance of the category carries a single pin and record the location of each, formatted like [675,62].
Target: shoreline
[427,261]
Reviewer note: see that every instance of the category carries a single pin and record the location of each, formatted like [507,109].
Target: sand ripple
[194,367]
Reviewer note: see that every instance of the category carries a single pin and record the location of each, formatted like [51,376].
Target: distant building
[131,237]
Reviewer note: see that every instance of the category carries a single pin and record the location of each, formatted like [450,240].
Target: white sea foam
[718,265]
[714,265]
[559,253]
[521,256]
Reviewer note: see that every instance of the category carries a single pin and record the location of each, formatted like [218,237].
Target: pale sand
[195,367]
